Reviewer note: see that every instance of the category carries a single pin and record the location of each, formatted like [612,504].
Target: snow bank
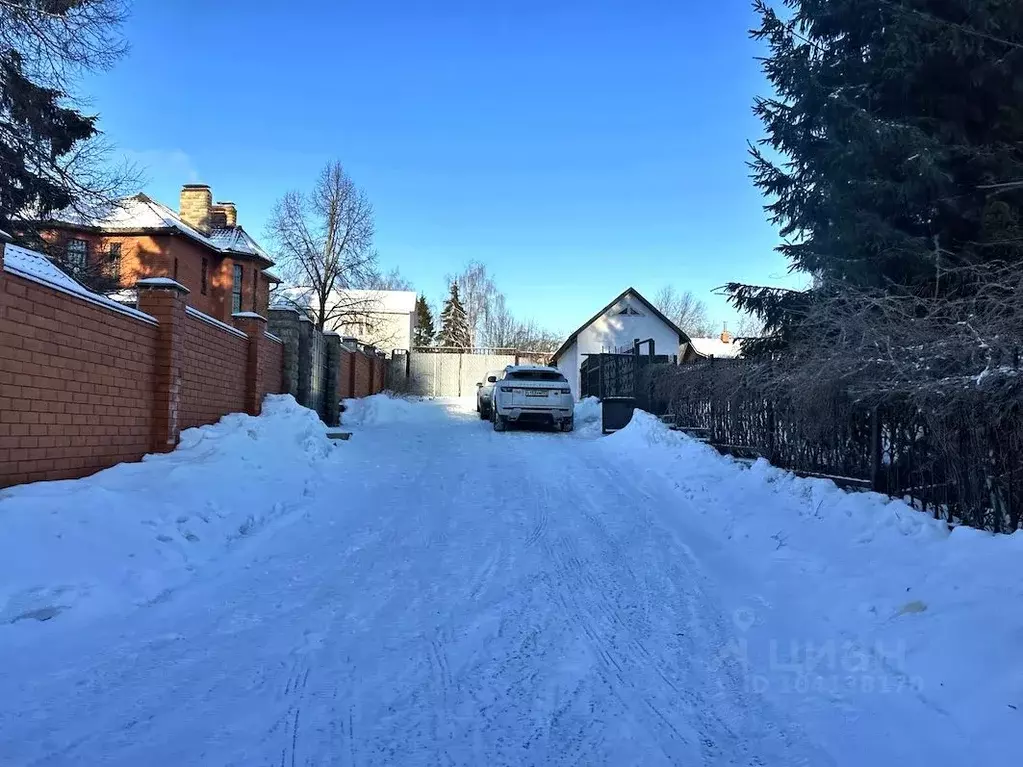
[858,596]
[130,533]
[587,417]
[389,408]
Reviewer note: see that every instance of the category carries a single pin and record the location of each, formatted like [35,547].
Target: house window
[77,255]
[204,276]
[236,290]
[255,290]
[114,261]
[175,270]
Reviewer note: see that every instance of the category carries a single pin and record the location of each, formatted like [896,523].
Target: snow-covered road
[442,594]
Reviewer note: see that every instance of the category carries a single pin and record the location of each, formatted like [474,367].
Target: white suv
[532,394]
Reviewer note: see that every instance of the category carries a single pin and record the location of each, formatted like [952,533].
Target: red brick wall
[213,375]
[80,382]
[361,374]
[76,384]
[271,359]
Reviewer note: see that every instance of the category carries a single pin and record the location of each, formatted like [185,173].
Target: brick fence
[86,383]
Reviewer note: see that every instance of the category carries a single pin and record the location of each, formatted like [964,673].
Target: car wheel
[484,414]
[499,423]
[568,425]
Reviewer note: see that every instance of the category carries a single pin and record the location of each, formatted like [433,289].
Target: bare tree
[392,280]
[324,240]
[58,39]
[685,310]
[478,293]
[748,327]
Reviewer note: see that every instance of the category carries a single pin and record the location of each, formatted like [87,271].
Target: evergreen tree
[424,332]
[899,126]
[48,155]
[454,331]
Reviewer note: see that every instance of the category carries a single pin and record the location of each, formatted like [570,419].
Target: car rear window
[536,375]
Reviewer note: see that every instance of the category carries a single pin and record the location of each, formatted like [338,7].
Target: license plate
[536,393]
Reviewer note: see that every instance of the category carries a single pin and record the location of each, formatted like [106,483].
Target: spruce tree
[424,331]
[893,130]
[48,159]
[454,331]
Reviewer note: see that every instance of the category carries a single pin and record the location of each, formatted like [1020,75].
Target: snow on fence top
[30,265]
[192,312]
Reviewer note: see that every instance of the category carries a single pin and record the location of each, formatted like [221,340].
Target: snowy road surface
[442,594]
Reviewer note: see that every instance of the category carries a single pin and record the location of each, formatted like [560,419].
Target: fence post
[254,326]
[285,324]
[164,299]
[876,481]
[332,386]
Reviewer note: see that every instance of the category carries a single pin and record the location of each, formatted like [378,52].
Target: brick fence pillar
[371,354]
[332,386]
[254,326]
[164,299]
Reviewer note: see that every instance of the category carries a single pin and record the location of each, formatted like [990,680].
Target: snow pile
[129,534]
[388,408]
[858,595]
[587,411]
[588,417]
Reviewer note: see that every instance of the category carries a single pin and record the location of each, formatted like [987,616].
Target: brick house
[200,246]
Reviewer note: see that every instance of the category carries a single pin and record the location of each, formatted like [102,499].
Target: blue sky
[575,146]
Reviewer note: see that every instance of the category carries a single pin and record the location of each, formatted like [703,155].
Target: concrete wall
[441,374]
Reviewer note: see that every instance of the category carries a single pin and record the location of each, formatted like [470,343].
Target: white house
[627,319]
[384,318]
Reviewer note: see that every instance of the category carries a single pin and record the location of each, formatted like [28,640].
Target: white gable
[627,320]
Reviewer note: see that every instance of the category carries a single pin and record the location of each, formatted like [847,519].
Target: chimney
[726,337]
[196,201]
[224,214]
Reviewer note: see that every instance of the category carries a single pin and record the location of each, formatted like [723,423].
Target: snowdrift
[388,408]
[858,596]
[587,412]
[127,534]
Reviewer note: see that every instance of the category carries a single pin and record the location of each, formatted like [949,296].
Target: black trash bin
[616,412]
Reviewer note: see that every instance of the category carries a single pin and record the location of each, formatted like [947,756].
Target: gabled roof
[142,213]
[682,337]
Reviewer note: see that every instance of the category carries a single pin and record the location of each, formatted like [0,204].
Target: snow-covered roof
[237,240]
[715,347]
[355,301]
[36,267]
[142,212]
